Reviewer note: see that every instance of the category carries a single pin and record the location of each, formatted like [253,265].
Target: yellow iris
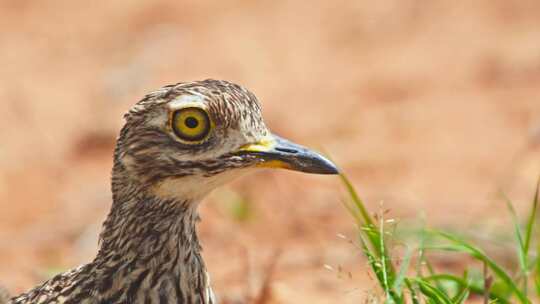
[191,124]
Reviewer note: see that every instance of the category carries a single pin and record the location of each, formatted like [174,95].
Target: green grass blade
[477,289]
[463,291]
[374,248]
[372,261]
[522,253]
[522,249]
[462,246]
[405,264]
[421,252]
[431,271]
[384,261]
[432,293]
[377,267]
[352,211]
[359,204]
[528,237]
[532,218]
[414,296]
[364,221]
[537,267]
[388,271]
[359,211]
[461,297]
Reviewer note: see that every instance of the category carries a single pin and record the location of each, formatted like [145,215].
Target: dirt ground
[431,107]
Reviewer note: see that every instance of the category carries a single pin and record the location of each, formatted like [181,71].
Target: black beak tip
[317,164]
[333,171]
[326,167]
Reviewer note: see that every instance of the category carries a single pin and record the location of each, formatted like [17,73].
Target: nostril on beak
[286,150]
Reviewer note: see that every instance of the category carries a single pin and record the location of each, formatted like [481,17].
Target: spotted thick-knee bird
[178,143]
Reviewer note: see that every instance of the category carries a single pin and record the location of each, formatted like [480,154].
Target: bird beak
[277,152]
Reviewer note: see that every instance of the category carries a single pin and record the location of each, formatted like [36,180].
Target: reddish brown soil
[429,106]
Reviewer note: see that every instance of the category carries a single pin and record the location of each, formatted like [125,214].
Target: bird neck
[151,243]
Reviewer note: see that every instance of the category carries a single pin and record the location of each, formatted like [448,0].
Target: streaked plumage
[149,251]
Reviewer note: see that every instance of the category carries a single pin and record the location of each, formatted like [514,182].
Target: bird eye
[191,124]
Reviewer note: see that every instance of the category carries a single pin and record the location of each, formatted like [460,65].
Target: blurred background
[431,108]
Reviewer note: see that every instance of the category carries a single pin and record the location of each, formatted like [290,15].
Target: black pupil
[191,122]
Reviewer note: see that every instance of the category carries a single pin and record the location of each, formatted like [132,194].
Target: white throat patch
[194,187]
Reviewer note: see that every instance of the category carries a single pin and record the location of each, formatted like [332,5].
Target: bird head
[184,140]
